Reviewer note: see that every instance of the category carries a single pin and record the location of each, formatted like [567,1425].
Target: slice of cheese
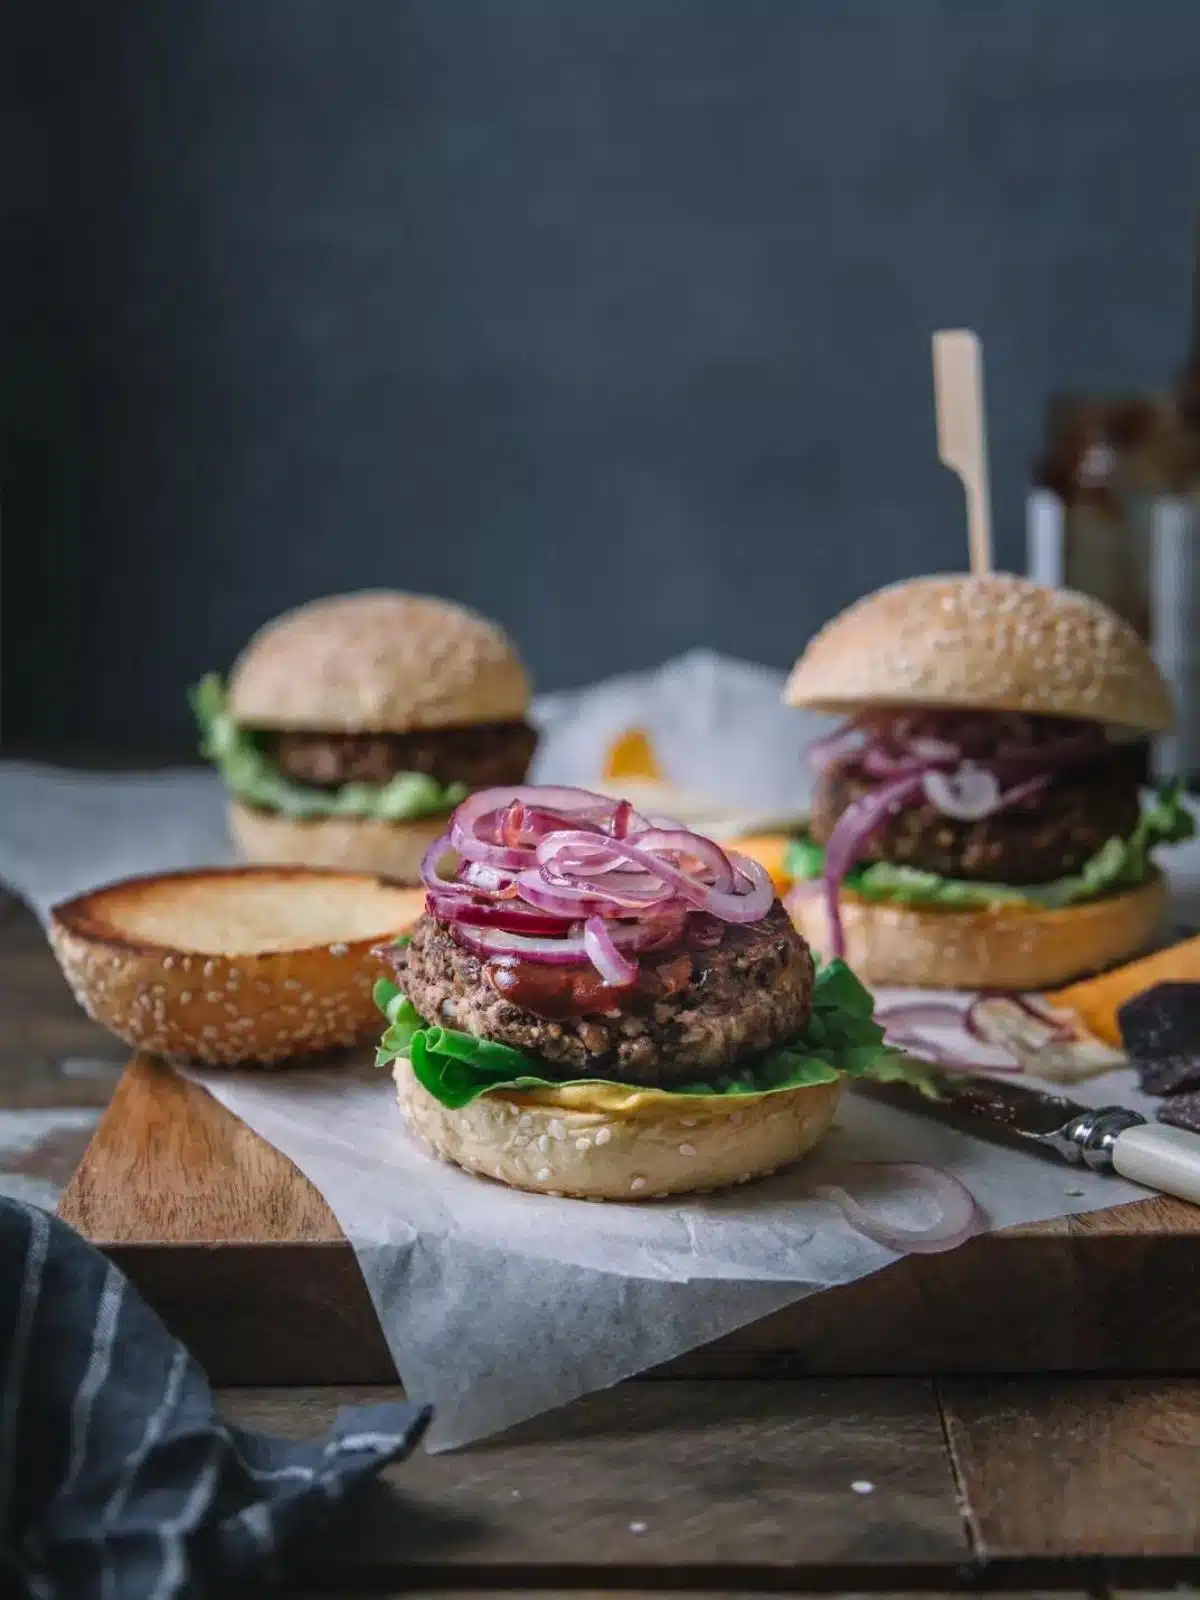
[770,851]
[626,1100]
[1097,1000]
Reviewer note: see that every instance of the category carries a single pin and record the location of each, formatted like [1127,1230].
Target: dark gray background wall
[609,316]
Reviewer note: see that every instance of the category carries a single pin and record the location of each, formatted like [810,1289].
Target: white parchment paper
[499,1305]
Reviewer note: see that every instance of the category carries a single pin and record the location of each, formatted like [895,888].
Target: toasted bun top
[378,662]
[993,642]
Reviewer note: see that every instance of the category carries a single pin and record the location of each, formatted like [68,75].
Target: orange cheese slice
[770,851]
[1097,1000]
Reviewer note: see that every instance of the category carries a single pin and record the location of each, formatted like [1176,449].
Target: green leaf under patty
[1118,865]
[842,1039]
[254,777]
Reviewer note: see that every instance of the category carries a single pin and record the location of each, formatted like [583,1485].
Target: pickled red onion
[967,765]
[959,1211]
[567,877]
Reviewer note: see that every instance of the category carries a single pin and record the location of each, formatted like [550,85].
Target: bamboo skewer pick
[962,434]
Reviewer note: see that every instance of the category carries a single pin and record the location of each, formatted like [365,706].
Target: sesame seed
[687,1149]
[339,949]
[542,1174]
[637,1185]
[558,1129]
[603,1135]
[543,1142]
[687,1122]
[583,1142]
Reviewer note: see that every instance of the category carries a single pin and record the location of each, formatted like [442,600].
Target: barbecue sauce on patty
[561,992]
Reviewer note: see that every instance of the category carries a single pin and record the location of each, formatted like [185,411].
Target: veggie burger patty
[693,1011]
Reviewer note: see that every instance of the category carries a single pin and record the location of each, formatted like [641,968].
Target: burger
[608,1006]
[976,822]
[351,727]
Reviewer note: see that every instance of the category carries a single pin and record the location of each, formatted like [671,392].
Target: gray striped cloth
[118,1479]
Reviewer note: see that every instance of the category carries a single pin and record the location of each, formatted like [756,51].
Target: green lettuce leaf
[1118,865]
[252,776]
[842,1039]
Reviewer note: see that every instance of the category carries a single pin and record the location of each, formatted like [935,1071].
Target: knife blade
[1109,1139]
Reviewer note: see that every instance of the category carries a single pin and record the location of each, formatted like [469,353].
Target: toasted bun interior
[992,642]
[352,844]
[1009,948]
[378,662]
[687,1145]
[232,965]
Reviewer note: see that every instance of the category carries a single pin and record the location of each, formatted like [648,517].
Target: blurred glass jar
[1114,511]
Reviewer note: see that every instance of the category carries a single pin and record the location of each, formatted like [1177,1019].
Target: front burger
[975,822]
[352,726]
[604,1006]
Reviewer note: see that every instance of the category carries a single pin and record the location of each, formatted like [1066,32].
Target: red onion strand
[967,765]
[567,877]
[960,1216]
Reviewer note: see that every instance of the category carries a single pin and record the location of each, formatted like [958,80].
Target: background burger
[597,1006]
[352,726]
[974,824]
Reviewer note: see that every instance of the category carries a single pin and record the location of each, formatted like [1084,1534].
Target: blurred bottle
[1082,530]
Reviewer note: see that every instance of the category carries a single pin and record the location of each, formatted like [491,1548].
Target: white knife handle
[1160,1157]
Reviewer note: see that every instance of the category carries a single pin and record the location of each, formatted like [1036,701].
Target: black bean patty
[694,1013]
[480,757]
[1040,839]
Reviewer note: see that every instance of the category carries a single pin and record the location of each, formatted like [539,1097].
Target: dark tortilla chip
[1181,1111]
[1160,1029]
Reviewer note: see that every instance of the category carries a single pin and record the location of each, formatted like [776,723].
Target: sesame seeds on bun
[992,642]
[232,965]
[671,1145]
[1011,948]
[378,662]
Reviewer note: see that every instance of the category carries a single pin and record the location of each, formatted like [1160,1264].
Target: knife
[1107,1139]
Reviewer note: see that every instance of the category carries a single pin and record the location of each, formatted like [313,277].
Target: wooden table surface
[898,1485]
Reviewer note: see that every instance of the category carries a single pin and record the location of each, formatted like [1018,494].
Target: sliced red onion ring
[1032,1005]
[834,749]
[432,859]
[861,819]
[945,1055]
[608,961]
[565,950]
[920,1013]
[928,749]
[900,1020]
[968,794]
[568,877]
[580,808]
[960,1215]
[511,914]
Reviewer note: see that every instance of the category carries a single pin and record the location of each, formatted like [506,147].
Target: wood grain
[172,1182]
[667,1485]
[169,1163]
[1078,1468]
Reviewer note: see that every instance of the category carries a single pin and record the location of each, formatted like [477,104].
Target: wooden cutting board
[244,1260]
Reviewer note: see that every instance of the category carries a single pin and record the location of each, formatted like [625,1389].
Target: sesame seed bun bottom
[352,844]
[643,1154]
[1009,948]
